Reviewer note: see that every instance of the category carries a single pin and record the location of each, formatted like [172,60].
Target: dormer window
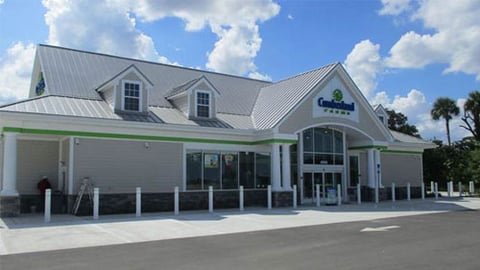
[132,95]
[202,104]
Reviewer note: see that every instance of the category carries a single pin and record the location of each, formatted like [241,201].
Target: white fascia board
[411,146]
[85,124]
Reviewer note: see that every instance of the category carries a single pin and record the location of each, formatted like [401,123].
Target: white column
[276,167]
[317,194]
[371,168]
[287,184]
[460,189]
[9,187]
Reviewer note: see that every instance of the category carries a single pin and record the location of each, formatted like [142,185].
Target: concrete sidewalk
[29,233]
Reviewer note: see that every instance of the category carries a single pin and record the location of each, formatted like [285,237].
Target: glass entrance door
[325,180]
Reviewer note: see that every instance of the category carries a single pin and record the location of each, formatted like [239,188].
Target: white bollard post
[294,196]
[176,201]
[138,203]
[436,191]
[409,194]
[339,194]
[460,189]
[210,199]
[432,188]
[96,201]
[269,196]
[471,188]
[317,194]
[393,192]
[241,198]
[48,201]
[423,191]
[359,194]
[449,188]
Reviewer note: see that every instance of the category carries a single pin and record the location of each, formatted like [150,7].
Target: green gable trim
[379,147]
[139,137]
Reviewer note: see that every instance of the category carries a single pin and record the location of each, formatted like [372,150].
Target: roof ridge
[152,62]
[307,72]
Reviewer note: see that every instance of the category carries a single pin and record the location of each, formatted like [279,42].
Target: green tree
[445,108]
[398,121]
[471,114]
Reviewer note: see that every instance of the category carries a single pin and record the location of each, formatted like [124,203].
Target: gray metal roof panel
[277,100]
[76,73]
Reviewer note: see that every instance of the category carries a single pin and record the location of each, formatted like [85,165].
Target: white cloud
[234,22]
[15,72]
[394,7]
[364,64]
[102,26]
[454,41]
[290,17]
[109,26]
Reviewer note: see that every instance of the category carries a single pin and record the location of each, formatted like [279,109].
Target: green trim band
[139,137]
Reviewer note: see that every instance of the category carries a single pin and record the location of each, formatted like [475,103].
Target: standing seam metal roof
[74,73]
[277,100]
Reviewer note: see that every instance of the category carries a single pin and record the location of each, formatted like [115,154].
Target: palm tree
[472,113]
[445,108]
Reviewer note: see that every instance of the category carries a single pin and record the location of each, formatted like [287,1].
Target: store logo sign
[335,103]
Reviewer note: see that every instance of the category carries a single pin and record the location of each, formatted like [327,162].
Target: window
[131,96]
[323,146]
[354,171]
[203,104]
[227,170]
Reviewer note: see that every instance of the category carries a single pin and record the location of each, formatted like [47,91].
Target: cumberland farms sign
[335,102]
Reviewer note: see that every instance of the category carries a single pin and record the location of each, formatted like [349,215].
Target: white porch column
[371,168]
[9,187]
[276,167]
[287,183]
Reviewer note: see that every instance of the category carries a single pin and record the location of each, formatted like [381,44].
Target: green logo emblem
[337,95]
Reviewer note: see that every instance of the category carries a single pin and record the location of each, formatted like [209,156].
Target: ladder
[85,187]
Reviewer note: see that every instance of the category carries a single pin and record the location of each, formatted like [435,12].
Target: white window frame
[140,95]
[209,93]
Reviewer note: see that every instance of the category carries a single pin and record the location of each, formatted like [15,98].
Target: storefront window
[211,170]
[194,170]
[229,170]
[354,172]
[323,146]
[262,176]
[247,169]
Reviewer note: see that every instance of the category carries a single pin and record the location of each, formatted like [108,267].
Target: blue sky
[402,54]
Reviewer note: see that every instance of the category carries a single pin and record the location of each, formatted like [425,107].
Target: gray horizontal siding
[117,166]
[34,160]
